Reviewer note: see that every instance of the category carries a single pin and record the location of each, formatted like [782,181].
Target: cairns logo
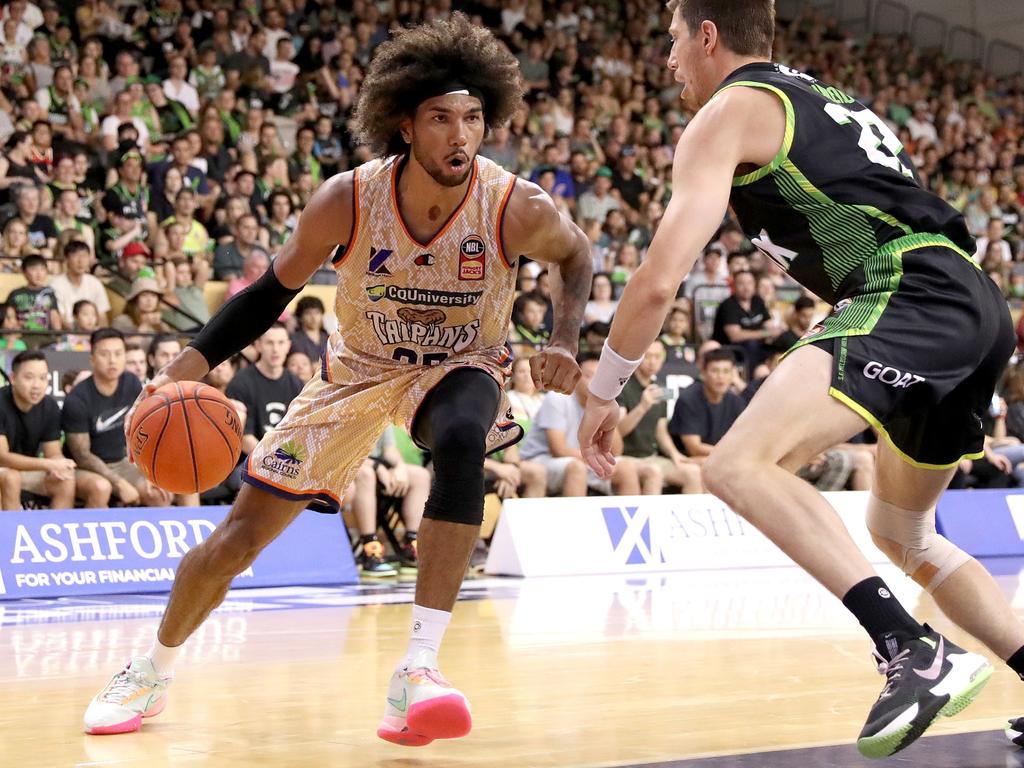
[424,327]
[422,296]
[286,459]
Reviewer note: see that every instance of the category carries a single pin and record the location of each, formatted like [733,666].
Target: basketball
[185,437]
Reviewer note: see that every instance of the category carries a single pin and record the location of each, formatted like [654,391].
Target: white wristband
[613,371]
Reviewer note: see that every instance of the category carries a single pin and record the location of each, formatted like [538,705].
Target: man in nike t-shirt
[93,422]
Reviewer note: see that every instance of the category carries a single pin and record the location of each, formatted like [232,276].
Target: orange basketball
[185,437]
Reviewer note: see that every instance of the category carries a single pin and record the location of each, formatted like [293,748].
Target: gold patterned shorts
[315,450]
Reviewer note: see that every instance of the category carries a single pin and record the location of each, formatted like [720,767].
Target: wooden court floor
[561,673]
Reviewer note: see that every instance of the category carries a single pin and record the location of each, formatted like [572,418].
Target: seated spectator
[162,349]
[42,235]
[594,336]
[644,427]
[601,307]
[522,394]
[142,312]
[743,320]
[15,246]
[185,290]
[299,364]
[552,442]
[197,240]
[508,476]
[1013,391]
[675,336]
[597,201]
[230,258]
[135,361]
[124,230]
[282,219]
[528,333]
[84,320]
[66,217]
[220,376]
[93,422]
[11,338]
[711,271]
[705,411]
[310,337]
[265,388]
[30,446]
[994,240]
[163,196]
[35,302]
[798,323]
[78,284]
[385,472]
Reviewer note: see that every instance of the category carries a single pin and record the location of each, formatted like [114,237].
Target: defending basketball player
[914,346]
[425,241]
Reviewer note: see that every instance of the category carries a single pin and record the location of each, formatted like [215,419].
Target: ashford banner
[54,553]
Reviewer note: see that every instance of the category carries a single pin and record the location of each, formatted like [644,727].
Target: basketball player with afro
[915,344]
[425,240]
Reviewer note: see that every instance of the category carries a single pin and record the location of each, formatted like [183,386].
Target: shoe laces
[891,668]
[423,674]
[125,683]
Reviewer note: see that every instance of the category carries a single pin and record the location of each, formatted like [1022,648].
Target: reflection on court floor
[708,669]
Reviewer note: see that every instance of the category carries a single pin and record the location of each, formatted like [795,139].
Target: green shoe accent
[957,705]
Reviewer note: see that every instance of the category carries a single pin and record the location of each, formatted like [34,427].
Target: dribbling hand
[147,389]
[600,417]
[555,369]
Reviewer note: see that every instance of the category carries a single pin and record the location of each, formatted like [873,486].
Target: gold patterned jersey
[421,303]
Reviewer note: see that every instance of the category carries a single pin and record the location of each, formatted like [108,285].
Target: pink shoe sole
[132,725]
[446,717]
[128,726]
[402,737]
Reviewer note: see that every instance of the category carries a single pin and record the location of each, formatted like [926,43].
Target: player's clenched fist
[555,369]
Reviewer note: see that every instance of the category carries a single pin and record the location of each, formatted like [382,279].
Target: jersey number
[873,146]
[405,355]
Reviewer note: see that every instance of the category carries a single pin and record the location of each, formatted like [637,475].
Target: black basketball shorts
[919,348]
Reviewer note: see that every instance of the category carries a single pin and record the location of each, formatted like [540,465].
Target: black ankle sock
[881,614]
[1016,662]
[410,536]
[367,537]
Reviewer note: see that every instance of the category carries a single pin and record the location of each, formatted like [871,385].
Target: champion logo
[424,260]
[884,593]
[622,381]
[417,626]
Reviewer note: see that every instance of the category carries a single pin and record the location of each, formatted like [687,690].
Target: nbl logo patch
[471,258]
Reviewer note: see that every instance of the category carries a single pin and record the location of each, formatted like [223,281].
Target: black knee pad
[457,495]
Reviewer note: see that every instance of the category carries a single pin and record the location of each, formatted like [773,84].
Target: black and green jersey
[841,188]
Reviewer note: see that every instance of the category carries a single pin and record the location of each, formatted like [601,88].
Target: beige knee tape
[927,557]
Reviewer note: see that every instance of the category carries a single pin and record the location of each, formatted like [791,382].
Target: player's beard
[438,174]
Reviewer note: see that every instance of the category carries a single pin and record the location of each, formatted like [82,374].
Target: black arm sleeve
[243,319]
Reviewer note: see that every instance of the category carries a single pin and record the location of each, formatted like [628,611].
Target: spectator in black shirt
[30,426]
[744,321]
[705,411]
[644,425]
[266,388]
[627,180]
[42,234]
[93,422]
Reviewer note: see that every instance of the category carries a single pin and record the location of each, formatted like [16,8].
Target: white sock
[428,626]
[163,657]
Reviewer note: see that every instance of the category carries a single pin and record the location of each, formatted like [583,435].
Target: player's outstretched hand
[147,389]
[600,417]
[555,369]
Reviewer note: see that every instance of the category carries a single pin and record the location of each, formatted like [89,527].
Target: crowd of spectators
[150,149]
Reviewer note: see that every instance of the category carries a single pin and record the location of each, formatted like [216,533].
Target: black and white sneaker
[924,678]
[1015,731]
